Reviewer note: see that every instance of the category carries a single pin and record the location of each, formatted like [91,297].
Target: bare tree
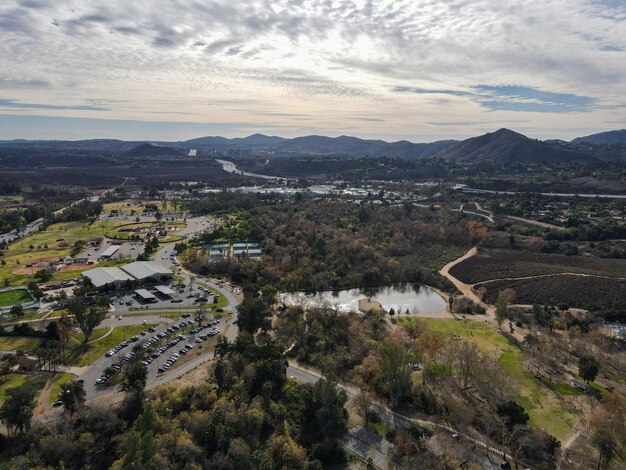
[466,359]
[200,315]
[363,401]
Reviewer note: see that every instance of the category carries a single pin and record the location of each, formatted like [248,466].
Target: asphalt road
[227,326]
[391,417]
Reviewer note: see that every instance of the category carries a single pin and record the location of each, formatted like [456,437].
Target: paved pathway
[367,444]
[393,418]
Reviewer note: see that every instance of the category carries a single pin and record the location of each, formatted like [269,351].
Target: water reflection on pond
[403,297]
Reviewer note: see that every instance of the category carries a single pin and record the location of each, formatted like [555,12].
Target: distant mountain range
[604,138]
[321,145]
[503,146]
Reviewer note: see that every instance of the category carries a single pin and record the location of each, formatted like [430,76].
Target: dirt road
[466,289]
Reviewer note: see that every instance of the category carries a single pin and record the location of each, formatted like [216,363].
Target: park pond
[403,297]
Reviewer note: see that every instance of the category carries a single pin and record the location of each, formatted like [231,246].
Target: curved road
[466,289]
[397,420]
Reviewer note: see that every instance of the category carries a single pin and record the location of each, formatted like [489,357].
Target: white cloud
[331,61]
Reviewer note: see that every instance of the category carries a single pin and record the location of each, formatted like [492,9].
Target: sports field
[12,297]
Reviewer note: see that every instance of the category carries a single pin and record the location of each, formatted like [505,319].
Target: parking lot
[160,347]
[128,251]
[184,297]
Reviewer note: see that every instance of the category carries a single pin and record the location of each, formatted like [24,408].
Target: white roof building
[146,295]
[101,277]
[137,271]
[110,251]
[144,269]
[165,290]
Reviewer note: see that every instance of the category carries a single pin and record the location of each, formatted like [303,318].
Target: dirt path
[535,222]
[489,215]
[483,213]
[466,289]
[536,276]
[95,340]
[44,397]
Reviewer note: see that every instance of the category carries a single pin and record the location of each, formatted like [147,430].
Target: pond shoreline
[421,300]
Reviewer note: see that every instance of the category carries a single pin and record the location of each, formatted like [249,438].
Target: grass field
[15,343]
[61,378]
[29,314]
[78,336]
[126,207]
[84,355]
[126,231]
[16,296]
[221,300]
[540,403]
[37,380]
[10,381]
[48,246]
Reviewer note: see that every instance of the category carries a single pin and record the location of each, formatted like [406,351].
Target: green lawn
[221,300]
[16,296]
[60,379]
[540,402]
[565,389]
[126,231]
[29,314]
[95,335]
[25,343]
[10,381]
[36,380]
[84,355]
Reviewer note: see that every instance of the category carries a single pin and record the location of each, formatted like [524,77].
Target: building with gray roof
[138,272]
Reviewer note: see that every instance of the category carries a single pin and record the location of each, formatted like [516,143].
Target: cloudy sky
[407,69]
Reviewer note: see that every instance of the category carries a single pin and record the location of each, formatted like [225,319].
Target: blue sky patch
[17,104]
[426,91]
[520,98]
[514,98]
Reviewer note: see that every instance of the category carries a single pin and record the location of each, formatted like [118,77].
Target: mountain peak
[507,133]
[148,149]
[604,138]
[507,146]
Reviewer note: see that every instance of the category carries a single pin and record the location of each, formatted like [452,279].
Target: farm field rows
[590,293]
[498,264]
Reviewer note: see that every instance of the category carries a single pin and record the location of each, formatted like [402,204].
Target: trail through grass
[540,402]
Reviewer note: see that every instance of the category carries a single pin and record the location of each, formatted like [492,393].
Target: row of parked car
[116,366]
[123,344]
[213,332]
[153,339]
[198,329]
[174,357]
[163,348]
[188,347]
